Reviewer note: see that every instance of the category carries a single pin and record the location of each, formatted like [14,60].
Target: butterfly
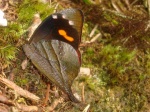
[54,48]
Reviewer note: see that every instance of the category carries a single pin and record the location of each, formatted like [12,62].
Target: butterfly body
[53,48]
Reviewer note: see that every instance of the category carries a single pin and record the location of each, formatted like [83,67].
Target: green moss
[111,18]
[7,53]
[116,69]
[119,79]
[11,34]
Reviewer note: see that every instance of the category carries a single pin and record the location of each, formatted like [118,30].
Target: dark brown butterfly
[53,48]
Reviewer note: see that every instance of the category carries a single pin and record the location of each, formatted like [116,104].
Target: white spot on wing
[54,16]
[71,22]
[63,16]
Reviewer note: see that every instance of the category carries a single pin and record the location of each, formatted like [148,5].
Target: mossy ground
[119,61]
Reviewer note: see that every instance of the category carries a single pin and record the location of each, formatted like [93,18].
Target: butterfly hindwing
[59,63]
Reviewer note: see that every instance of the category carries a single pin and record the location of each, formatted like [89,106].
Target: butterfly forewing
[76,16]
[69,20]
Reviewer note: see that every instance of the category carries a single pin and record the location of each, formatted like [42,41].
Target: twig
[54,104]
[86,108]
[55,9]
[93,31]
[148,6]
[134,2]
[4,108]
[5,100]
[5,7]
[114,4]
[19,90]
[50,3]
[95,37]
[128,4]
[2,40]
[83,98]
[24,64]
[118,14]
[26,108]
[147,26]
[47,95]
[35,23]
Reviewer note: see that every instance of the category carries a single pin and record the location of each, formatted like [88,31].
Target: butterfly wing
[69,20]
[53,53]
[57,60]
[77,17]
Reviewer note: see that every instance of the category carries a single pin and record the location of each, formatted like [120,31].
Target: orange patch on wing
[64,34]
